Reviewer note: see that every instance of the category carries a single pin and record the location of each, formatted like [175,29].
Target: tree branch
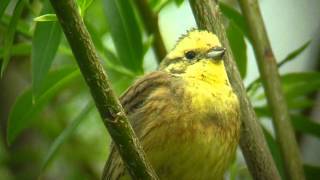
[252,142]
[150,21]
[108,105]
[271,82]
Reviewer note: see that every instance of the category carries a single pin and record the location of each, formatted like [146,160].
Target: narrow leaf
[21,49]
[300,123]
[125,33]
[22,27]
[3,6]
[312,172]
[178,2]
[45,44]
[236,17]
[294,85]
[299,84]
[23,111]
[83,6]
[294,54]
[274,149]
[9,36]
[65,135]
[238,47]
[305,125]
[46,17]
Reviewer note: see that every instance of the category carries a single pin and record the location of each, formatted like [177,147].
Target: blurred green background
[49,128]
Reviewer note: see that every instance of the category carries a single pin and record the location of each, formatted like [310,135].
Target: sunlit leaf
[83,5]
[65,135]
[238,47]
[46,17]
[24,110]
[294,54]
[125,33]
[45,43]
[9,36]
[178,2]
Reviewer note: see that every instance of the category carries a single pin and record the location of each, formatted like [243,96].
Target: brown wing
[131,101]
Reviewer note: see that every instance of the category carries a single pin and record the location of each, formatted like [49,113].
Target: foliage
[41,113]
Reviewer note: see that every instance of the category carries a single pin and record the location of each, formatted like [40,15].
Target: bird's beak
[216,53]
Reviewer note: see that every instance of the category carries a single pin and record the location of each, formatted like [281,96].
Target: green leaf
[298,84]
[238,47]
[21,49]
[24,110]
[178,2]
[312,172]
[274,149]
[305,125]
[46,17]
[125,33]
[234,16]
[9,36]
[157,5]
[45,43]
[22,27]
[294,54]
[294,85]
[3,6]
[65,135]
[300,123]
[83,6]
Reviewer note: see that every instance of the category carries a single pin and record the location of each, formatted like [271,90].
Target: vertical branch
[150,21]
[252,142]
[271,82]
[108,105]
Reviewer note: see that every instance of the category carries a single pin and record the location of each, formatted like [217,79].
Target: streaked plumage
[185,114]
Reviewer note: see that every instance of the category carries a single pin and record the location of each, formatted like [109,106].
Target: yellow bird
[186,114]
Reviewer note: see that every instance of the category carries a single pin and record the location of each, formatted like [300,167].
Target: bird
[185,114]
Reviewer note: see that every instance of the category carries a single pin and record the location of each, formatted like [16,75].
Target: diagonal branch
[108,105]
[271,82]
[252,142]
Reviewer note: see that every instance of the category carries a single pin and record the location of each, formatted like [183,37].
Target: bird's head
[197,54]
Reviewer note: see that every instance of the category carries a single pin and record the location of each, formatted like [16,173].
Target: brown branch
[108,105]
[271,82]
[252,142]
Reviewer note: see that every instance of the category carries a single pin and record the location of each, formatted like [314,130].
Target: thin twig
[271,82]
[252,142]
[108,105]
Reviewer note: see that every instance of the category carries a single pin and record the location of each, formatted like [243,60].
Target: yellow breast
[201,132]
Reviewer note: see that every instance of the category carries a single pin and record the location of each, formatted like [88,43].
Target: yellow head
[198,54]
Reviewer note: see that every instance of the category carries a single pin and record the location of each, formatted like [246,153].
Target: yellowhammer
[186,114]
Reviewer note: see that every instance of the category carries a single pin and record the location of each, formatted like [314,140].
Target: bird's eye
[190,55]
